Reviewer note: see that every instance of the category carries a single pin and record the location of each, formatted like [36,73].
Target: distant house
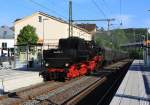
[92,28]
[6,41]
[49,28]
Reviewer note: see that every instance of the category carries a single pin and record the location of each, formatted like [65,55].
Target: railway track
[64,93]
[75,99]
[23,95]
[103,94]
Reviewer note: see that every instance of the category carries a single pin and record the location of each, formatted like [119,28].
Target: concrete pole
[143,47]
[147,47]
[44,30]
[108,24]
[70,19]
[27,52]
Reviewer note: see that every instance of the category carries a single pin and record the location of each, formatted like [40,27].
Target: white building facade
[48,28]
[6,41]
[6,44]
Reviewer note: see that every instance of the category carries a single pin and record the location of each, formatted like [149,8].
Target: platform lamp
[44,30]
[143,36]
[147,57]
[148,31]
[43,40]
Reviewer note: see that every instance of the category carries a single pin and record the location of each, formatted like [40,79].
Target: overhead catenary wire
[43,6]
[119,21]
[61,7]
[98,7]
[107,6]
[101,11]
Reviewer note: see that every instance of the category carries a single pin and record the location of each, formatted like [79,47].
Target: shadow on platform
[146,79]
[139,68]
[132,97]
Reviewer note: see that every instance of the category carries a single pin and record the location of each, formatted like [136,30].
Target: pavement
[11,80]
[135,87]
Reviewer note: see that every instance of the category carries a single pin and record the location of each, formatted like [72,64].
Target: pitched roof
[6,32]
[53,17]
[88,27]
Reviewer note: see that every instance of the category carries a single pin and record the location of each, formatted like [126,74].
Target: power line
[60,6]
[110,10]
[106,5]
[100,10]
[43,6]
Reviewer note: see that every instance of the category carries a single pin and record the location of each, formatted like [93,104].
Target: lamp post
[144,50]
[148,31]
[111,34]
[43,41]
[44,30]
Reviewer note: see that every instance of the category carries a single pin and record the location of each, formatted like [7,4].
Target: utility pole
[44,30]
[109,20]
[144,49]
[147,46]
[70,19]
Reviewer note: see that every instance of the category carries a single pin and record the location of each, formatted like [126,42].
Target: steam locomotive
[74,57]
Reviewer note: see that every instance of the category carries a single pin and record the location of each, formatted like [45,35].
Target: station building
[49,28]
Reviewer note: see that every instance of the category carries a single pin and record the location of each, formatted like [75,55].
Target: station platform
[135,87]
[11,80]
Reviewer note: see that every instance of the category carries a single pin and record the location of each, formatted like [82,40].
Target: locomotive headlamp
[46,64]
[67,64]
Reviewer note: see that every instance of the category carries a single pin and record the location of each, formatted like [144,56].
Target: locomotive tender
[76,57]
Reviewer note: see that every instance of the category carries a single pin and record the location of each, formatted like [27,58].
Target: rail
[75,99]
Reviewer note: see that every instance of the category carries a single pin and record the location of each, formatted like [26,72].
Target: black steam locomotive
[74,57]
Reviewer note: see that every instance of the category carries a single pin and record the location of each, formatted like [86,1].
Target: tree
[112,40]
[27,35]
[118,38]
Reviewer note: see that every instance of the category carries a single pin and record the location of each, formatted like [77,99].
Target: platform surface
[11,80]
[135,87]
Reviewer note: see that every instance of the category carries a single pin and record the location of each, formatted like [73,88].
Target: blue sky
[134,12]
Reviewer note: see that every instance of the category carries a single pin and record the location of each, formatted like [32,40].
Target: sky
[134,13]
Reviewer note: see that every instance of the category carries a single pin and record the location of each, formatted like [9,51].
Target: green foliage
[123,36]
[27,35]
[112,39]
[118,38]
[103,39]
[135,34]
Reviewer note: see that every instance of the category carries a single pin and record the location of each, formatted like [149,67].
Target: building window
[4,45]
[40,18]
